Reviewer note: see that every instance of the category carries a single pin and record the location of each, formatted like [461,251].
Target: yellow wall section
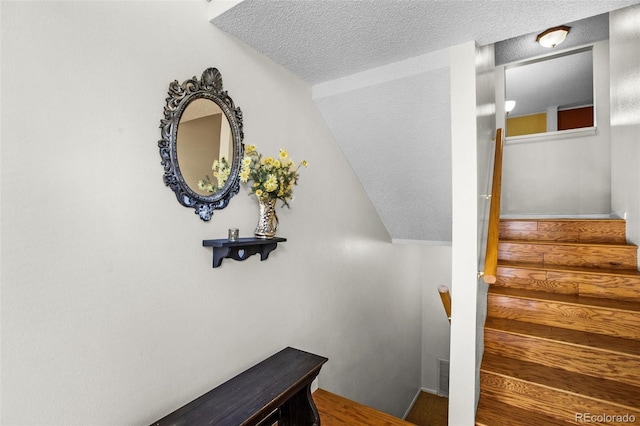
[527,124]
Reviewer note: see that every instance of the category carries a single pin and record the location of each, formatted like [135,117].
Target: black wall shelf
[241,248]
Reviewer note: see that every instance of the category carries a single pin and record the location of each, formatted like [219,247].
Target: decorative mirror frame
[180,96]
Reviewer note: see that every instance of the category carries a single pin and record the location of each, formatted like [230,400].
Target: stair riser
[532,279]
[614,257]
[492,413]
[561,405]
[622,288]
[576,231]
[624,368]
[610,286]
[591,319]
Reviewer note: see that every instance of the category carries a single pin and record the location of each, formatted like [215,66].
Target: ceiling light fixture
[509,106]
[553,36]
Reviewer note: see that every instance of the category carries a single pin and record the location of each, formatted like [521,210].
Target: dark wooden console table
[276,390]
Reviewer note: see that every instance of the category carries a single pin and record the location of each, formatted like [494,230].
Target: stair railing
[491,254]
[446,300]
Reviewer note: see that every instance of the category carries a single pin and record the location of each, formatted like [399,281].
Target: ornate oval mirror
[201,145]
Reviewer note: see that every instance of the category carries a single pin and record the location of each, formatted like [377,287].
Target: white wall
[569,175]
[111,312]
[624,30]
[378,117]
[464,251]
[472,130]
[485,135]
[435,325]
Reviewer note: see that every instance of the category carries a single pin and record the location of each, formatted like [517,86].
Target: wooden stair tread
[617,305]
[567,243]
[493,413]
[572,337]
[611,230]
[587,254]
[563,219]
[621,394]
[564,268]
[618,284]
[562,333]
[583,313]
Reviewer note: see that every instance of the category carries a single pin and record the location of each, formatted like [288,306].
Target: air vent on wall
[443,377]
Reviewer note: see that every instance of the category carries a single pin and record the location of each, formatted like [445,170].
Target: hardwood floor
[336,410]
[562,335]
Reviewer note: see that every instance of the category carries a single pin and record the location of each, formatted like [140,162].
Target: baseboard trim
[559,216]
[415,398]
[420,242]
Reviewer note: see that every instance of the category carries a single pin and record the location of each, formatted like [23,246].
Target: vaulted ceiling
[380,76]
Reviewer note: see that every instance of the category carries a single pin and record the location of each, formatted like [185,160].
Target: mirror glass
[204,135]
[201,146]
[551,94]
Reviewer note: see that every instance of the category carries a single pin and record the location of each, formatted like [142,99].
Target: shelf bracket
[242,248]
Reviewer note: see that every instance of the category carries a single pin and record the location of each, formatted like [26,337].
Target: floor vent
[443,377]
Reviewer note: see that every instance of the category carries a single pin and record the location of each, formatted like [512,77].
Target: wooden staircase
[562,335]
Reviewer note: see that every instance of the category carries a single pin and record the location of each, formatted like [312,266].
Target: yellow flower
[271,184]
[201,184]
[268,177]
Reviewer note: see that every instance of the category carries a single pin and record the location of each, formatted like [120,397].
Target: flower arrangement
[221,171]
[272,178]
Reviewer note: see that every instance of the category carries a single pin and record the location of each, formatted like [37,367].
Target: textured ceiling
[324,40]
[568,79]
[584,31]
[392,134]
[402,119]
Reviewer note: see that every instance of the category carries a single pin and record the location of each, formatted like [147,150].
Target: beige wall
[110,310]
[197,147]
